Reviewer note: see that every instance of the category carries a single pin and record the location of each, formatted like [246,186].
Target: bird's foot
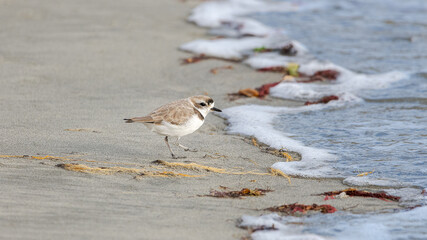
[177,157]
[190,150]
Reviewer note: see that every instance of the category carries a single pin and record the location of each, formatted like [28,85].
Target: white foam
[342,226]
[298,91]
[224,48]
[308,63]
[226,19]
[282,231]
[258,121]
[213,13]
[348,83]
[409,197]
[370,181]
[230,48]
[384,226]
[365,230]
[242,27]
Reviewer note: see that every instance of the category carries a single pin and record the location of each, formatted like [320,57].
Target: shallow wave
[347,86]
[341,226]
[258,121]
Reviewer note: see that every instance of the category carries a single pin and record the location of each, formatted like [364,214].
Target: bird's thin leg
[184,147]
[167,143]
[173,154]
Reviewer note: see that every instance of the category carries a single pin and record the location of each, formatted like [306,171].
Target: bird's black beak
[216,109]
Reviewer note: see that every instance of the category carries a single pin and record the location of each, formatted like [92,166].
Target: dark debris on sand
[352,192]
[290,209]
[245,192]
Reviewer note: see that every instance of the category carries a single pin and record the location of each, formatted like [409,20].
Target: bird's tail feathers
[128,120]
[146,119]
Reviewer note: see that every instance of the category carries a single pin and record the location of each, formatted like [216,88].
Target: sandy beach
[70,71]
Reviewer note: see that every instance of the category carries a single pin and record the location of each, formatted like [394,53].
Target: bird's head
[204,104]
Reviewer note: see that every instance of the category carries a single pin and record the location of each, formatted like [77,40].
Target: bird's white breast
[168,129]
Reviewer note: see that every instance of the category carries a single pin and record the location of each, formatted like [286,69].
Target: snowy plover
[178,118]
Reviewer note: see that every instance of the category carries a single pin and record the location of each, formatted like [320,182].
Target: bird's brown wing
[176,113]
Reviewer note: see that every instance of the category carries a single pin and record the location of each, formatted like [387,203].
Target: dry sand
[86,65]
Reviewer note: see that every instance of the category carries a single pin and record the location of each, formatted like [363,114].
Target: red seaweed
[295,207]
[328,198]
[265,89]
[288,50]
[273,69]
[352,192]
[319,76]
[328,74]
[245,192]
[323,100]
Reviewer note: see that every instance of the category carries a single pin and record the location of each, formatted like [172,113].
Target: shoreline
[123,61]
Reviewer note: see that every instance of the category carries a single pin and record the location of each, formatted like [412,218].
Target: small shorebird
[178,118]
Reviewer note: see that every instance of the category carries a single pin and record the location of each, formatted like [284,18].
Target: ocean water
[387,131]
[379,123]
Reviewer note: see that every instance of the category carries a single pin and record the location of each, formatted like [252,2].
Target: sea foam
[348,82]
[238,48]
[348,86]
[214,13]
[282,230]
[258,121]
[341,226]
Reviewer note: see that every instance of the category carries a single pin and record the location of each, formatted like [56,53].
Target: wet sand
[85,66]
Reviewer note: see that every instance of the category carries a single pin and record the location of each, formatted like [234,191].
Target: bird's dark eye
[203,104]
